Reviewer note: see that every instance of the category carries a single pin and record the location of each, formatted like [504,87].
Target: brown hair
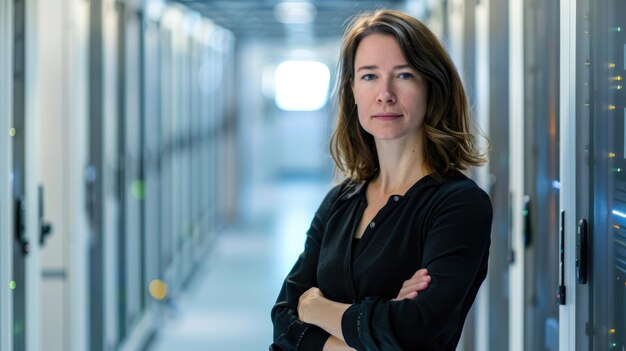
[448,139]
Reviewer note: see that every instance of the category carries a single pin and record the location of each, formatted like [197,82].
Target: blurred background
[161,161]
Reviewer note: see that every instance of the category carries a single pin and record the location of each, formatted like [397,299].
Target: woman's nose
[386,95]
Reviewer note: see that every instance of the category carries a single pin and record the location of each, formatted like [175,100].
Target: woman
[396,253]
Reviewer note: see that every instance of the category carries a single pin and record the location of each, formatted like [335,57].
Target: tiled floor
[227,306]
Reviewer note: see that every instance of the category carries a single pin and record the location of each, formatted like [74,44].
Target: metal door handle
[45,228]
[582,251]
[560,290]
[527,222]
[19,211]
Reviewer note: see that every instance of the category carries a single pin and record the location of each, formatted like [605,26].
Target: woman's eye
[368,76]
[405,75]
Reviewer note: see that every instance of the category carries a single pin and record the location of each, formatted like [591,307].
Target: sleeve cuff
[314,339]
[350,324]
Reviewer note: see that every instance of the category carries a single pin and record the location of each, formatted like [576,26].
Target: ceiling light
[295,12]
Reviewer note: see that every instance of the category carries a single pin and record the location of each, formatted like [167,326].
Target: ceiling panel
[255,19]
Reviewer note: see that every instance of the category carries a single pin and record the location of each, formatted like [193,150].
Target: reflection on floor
[227,306]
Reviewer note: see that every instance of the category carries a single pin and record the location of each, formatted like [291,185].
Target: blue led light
[619,213]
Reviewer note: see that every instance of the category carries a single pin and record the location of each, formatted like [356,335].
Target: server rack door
[224,62]
[209,113]
[122,170]
[579,318]
[604,323]
[25,153]
[20,243]
[76,107]
[139,185]
[133,324]
[569,176]
[516,114]
[204,116]
[94,176]
[462,32]
[499,169]
[482,174]
[541,172]
[184,157]
[166,152]
[113,13]
[194,138]
[55,158]
[6,230]
[177,169]
[151,138]
[129,151]
[211,143]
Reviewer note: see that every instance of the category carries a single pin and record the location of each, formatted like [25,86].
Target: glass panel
[20,246]
[499,169]
[95,188]
[608,175]
[584,187]
[541,80]
[615,36]
[122,171]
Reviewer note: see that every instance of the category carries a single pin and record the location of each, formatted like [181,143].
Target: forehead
[378,47]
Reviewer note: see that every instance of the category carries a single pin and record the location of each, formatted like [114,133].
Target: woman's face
[391,96]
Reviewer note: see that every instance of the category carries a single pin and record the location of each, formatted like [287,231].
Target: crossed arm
[314,308]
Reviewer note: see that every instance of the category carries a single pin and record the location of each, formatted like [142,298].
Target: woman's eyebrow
[373,67]
[370,67]
[406,65]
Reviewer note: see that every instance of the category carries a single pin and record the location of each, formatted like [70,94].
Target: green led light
[12,285]
[138,189]
[617,170]
[525,212]
[12,132]
[18,328]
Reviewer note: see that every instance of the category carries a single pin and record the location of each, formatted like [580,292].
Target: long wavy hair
[449,140]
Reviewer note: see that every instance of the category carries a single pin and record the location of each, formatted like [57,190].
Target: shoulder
[459,204]
[346,189]
[458,189]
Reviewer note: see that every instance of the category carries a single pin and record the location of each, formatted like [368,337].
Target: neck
[401,165]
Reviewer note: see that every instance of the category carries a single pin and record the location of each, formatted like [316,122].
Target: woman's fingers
[411,287]
[416,287]
[420,273]
[305,300]
[406,295]
[417,279]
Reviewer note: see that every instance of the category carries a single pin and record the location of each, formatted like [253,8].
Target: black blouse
[443,225]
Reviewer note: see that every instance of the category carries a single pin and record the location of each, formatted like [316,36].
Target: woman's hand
[306,302]
[411,287]
[334,344]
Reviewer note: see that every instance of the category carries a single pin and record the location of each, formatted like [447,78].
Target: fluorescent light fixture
[295,12]
[154,9]
[172,18]
[301,85]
